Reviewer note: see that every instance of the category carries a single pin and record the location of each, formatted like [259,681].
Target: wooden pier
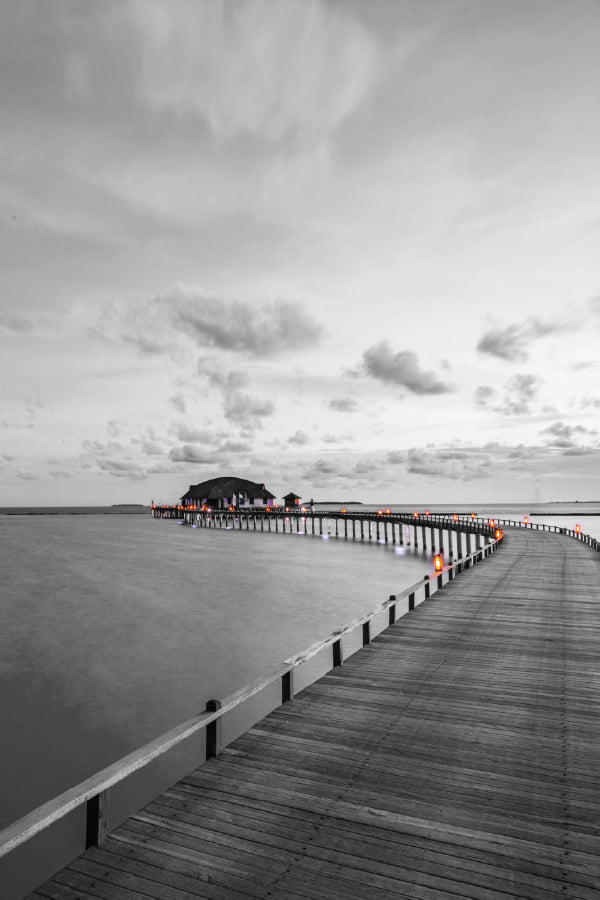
[456,755]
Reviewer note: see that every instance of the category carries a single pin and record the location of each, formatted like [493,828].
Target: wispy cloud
[512,342]
[402,368]
[15,324]
[188,453]
[255,68]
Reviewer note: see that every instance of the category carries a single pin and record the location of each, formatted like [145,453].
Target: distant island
[338,503]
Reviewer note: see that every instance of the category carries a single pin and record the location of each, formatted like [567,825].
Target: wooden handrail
[53,810]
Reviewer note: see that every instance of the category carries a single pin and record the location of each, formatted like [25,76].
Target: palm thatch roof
[227,486]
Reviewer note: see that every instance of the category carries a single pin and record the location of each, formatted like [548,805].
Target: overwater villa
[227,491]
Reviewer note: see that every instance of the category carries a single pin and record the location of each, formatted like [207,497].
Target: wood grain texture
[457,755]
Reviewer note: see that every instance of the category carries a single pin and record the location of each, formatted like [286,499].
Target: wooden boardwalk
[456,756]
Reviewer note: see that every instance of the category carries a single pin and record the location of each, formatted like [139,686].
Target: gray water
[115,629]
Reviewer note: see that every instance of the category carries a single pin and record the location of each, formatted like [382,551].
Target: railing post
[287,686]
[337,653]
[411,602]
[213,730]
[392,609]
[366,633]
[426,580]
[96,819]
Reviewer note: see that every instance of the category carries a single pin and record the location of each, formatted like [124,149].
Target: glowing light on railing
[472,515]
[344,510]
[492,523]
[387,512]
[498,533]
[455,518]
[438,562]
[526,520]
[426,512]
[415,515]
[578,529]
[379,512]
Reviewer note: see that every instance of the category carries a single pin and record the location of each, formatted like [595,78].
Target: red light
[438,562]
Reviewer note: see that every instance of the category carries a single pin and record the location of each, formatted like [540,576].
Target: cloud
[515,399]
[269,329]
[401,368]
[458,464]
[234,447]
[121,468]
[512,342]
[246,412]
[178,402]
[26,475]
[568,437]
[299,437]
[15,324]
[343,404]
[255,68]
[188,453]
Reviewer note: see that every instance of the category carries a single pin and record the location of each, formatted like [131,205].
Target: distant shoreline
[121,509]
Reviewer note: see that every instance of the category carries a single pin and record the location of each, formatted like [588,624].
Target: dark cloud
[400,368]
[512,342]
[269,329]
[343,404]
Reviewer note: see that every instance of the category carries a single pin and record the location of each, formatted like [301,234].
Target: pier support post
[392,609]
[459,552]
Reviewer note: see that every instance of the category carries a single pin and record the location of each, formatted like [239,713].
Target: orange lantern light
[379,512]
[415,515]
[455,518]
[472,515]
[578,529]
[387,512]
[526,520]
[438,562]
[344,510]
[426,512]
[498,534]
[492,523]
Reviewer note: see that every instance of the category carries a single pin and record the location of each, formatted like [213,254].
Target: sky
[346,249]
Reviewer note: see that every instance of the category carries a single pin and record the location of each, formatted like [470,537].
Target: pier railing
[279,686]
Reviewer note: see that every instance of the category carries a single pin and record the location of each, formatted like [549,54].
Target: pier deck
[458,755]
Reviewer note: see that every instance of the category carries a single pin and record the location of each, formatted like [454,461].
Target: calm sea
[116,628]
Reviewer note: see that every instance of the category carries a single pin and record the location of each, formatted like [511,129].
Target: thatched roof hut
[227,490]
